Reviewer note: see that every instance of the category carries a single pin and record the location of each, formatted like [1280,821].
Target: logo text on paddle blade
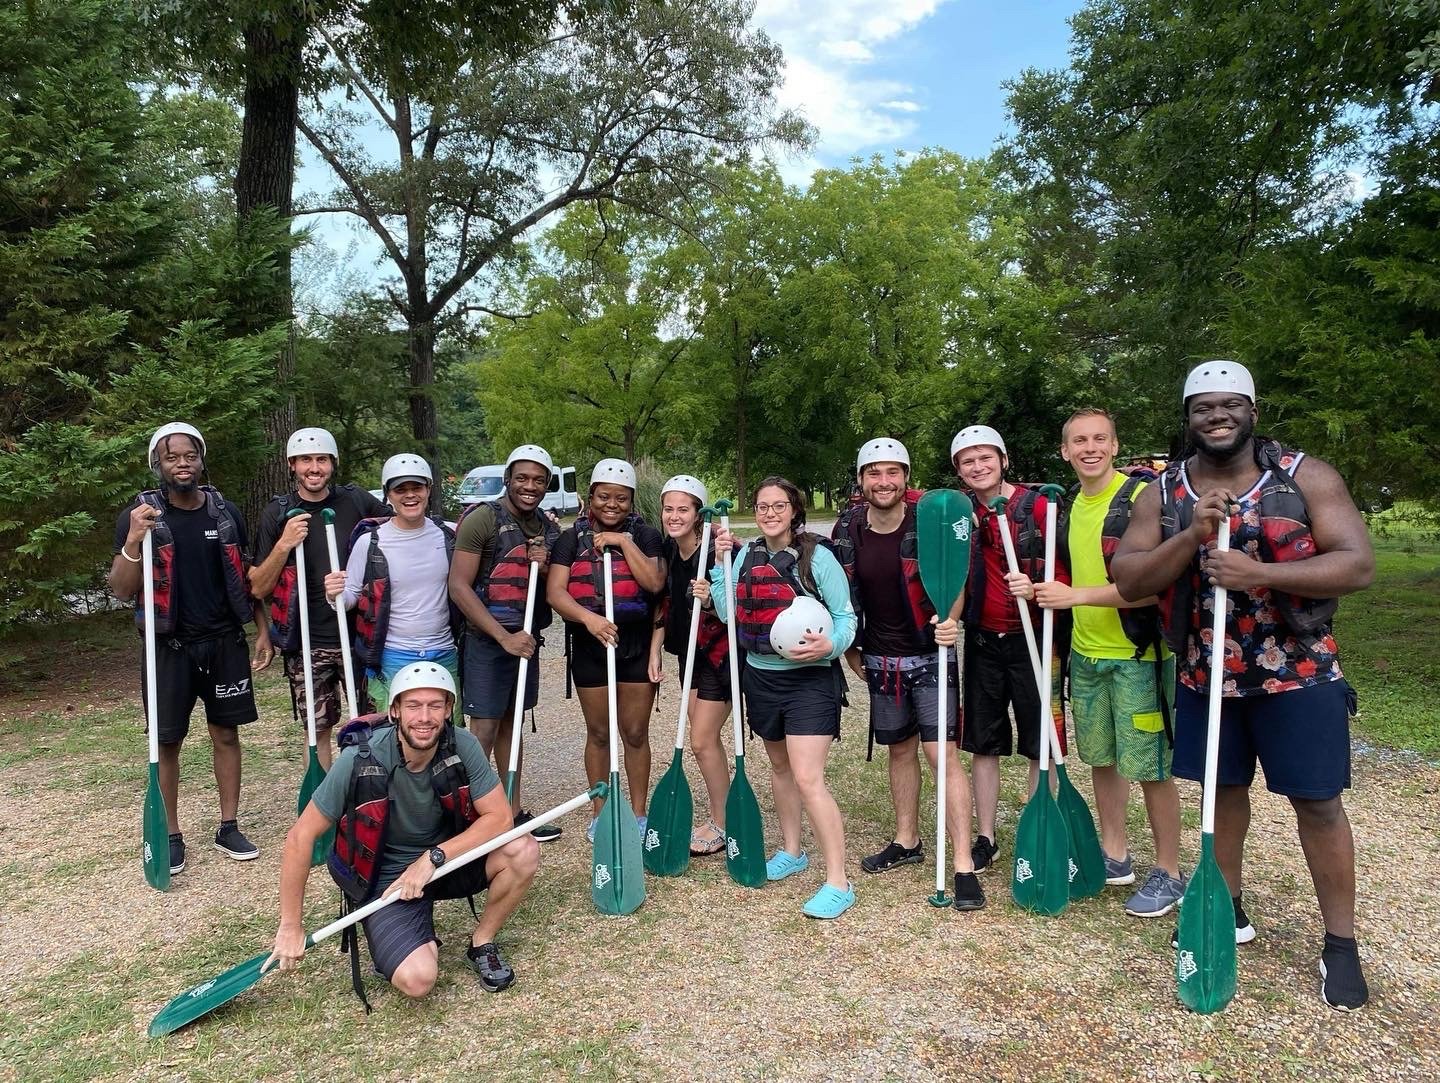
[602,875]
[652,839]
[1185,967]
[1023,871]
[962,529]
[732,848]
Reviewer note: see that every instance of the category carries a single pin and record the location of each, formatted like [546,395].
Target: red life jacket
[372,607]
[587,575]
[765,585]
[354,861]
[1029,551]
[232,562]
[1284,535]
[850,529]
[504,579]
[284,597]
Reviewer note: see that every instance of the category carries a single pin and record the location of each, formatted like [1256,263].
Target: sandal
[702,844]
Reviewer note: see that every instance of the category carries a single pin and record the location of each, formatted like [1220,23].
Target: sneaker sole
[1151,913]
[969,905]
[177,868]
[1328,1003]
[1119,881]
[540,834]
[491,987]
[915,860]
[236,856]
[1242,936]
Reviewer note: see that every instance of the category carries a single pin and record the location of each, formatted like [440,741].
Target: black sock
[1341,943]
[228,823]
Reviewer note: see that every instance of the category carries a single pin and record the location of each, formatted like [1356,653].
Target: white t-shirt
[419,585]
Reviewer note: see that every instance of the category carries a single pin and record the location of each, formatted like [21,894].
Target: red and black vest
[354,861]
[504,578]
[765,585]
[1029,551]
[284,597]
[1284,534]
[232,561]
[587,575]
[372,607]
[847,539]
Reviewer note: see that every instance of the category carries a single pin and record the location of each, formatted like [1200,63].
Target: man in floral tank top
[1297,544]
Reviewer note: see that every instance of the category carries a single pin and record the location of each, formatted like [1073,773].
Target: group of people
[437,621]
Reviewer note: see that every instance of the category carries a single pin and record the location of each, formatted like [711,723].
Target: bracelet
[127,556]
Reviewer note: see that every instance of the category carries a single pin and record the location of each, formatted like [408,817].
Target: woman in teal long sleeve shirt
[792,704]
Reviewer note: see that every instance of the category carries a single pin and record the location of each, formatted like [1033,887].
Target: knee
[810,782]
[415,977]
[636,736]
[224,737]
[597,733]
[1320,815]
[522,856]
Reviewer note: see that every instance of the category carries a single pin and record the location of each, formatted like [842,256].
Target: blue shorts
[491,673]
[1300,738]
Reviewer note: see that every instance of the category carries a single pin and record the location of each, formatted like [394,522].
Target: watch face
[437,857]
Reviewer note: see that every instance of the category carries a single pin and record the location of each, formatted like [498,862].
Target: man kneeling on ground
[443,799]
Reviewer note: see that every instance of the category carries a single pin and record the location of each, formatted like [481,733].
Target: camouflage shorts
[328,674]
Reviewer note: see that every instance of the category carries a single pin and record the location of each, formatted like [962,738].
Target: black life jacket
[232,563]
[372,607]
[847,539]
[355,858]
[765,585]
[587,575]
[503,579]
[1029,551]
[1284,535]
[284,596]
[712,638]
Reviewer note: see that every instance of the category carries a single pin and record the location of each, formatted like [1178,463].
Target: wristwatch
[437,856]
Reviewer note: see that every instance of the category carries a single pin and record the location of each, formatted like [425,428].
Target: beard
[182,487]
[1244,431]
[408,738]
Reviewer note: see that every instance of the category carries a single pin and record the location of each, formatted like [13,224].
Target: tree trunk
[265,179]
[423,423]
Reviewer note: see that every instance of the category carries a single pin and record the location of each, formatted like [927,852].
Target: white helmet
[976,436]
[1219,375]
[614,472]
[684,483]
[404,467]
[174,428]
[531,453]
[311,442]
[882,450]
[421,675]
[803,615]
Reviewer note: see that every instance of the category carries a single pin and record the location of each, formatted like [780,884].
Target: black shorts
[215,670]
[998,676]
[491,673]
[632,656]
[803,701]
[708,682]
[394,931]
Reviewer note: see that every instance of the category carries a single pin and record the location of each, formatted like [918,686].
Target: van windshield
[482,486]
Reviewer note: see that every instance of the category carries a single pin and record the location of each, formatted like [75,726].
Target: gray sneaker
[1119,873]
[1158,895]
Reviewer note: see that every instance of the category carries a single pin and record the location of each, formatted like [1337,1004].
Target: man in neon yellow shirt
[1122,679]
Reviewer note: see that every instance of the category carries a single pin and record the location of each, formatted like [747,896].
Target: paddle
[744,833]
[672,807]
[942,538]
[1041,878]
[1205,963]
[516,728]
[618,882]
[204,998]
[154,828]
[314,773]
[355,709]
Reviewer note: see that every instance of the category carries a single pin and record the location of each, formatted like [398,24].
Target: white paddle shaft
[735,709]
[611,691]
[1042,683]
[1217,685]
[693,640]
[152,694]
[305,664]
[524,669]
[343,625]
[942,754]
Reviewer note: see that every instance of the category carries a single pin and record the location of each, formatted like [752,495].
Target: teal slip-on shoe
[782,865]
[830,902]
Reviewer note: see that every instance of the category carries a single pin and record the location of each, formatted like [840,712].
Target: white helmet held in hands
[311,441]
[882,450]
[613,472]
[790,627]
[421,675]
[530,453]
[684,483]
[405,467]
[174,428]
[1219,375]
[976,436]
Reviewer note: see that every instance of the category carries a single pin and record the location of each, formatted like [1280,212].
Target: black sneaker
[494,972]
[969,895]
[983,852]
[177,853]
[894,855]
[1342,985]
[544,833]
[232,844]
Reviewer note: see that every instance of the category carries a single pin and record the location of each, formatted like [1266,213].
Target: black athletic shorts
[708,682]
[215,670]
[998,676]
[801,702]
[632,656]
[491,673]
[394,931]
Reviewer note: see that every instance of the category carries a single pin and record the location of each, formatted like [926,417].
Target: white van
[488,483]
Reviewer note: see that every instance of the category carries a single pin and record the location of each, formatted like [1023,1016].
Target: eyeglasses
[766,509]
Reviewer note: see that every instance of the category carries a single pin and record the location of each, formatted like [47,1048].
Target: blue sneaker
[590,831]
[1160,894]
[1119,873]
[830,902]
[782,865]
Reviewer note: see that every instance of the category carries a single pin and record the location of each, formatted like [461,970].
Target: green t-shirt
[417,821]
[1097,631]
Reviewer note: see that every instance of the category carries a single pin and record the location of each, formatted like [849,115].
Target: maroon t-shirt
[889,629]
[1000,612]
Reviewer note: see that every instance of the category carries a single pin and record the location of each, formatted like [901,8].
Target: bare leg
[807,763]
[1232,824]
[170,783]
[1330,852]
[1162,805]
[324,745]
[787,796]
[905,791]
[706,719]
[594,706]
[957,806]
[225,747]
[1112,797]
[415,976]
[635,702]
[511,870]
[985,776]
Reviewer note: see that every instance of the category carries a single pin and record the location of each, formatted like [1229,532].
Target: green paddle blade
[617,881]
[1040,881]
[1205,959]
[155,835]
[942,537]
[314,775]
[744,833]
[209,995]
[1087,861]
[509,785]
[667,831]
